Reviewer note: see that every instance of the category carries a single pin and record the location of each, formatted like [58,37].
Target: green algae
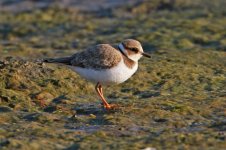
[176,100]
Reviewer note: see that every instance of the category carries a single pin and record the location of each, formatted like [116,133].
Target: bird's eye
[134,49]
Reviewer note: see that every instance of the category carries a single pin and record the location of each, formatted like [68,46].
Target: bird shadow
[92,108]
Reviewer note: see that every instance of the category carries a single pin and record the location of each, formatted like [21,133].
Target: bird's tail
[62,60]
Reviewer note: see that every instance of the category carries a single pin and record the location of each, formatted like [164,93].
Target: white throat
[135,57]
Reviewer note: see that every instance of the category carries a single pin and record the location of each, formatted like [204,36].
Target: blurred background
[176,99]
[44,27]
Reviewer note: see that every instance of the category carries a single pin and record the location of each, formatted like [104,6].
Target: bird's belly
[117,74]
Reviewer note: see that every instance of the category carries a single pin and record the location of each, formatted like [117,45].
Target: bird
[105,64]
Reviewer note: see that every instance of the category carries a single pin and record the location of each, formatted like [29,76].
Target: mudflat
[176,100]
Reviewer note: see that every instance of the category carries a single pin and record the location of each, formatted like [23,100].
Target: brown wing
[102,56]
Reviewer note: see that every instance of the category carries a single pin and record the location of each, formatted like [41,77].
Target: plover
[105,64]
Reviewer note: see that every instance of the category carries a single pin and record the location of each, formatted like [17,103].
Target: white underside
[117,74]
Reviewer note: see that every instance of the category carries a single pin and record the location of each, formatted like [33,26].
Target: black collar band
[122,51]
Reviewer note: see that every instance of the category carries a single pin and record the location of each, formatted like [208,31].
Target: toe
[108,107]
[111,106]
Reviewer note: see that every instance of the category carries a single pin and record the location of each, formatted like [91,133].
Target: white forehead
[141,48]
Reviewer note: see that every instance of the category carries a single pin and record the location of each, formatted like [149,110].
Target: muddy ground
[176,100]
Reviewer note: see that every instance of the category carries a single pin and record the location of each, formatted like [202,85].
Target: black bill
[146,55]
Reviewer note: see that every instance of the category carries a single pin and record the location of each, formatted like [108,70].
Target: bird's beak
[146,55]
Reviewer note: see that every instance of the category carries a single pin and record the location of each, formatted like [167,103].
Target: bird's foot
[111,107]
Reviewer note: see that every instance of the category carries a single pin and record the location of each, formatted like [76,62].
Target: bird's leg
[99,90]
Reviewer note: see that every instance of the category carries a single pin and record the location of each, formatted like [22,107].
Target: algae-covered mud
[176,100]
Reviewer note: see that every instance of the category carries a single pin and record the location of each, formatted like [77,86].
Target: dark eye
[134,49]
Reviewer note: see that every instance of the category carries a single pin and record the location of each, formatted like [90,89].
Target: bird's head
[132,49]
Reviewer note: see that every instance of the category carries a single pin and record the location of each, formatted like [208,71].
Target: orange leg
[99,90]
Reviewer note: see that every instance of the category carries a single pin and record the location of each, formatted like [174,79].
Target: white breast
[117,74]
